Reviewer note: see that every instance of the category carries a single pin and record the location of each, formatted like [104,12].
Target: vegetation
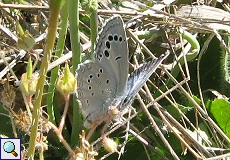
[182,112]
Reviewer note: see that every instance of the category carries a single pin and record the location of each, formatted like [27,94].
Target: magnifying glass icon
[9,147]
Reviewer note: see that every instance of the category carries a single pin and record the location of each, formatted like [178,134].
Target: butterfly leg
[95,125]
[112,113]
[105,127]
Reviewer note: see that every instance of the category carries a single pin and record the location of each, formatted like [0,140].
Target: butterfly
[104,86]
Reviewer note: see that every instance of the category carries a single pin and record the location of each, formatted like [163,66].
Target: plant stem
[76,59]
[55,6]
[51,109]
[62,122]
[94,28]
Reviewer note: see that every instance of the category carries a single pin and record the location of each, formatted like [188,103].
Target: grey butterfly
[104,84]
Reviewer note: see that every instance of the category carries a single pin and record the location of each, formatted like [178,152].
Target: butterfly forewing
[111,52]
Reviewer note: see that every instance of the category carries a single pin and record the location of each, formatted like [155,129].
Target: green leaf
[220,109]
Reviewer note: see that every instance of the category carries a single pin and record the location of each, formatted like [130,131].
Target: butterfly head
[118,105]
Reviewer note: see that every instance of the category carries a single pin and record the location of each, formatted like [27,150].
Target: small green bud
[29,69]
[28,86]
[66,83]
[89,5]
[19,29]
[25,39]
[29,80]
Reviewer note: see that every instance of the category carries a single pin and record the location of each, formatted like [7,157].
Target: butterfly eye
[107,81]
